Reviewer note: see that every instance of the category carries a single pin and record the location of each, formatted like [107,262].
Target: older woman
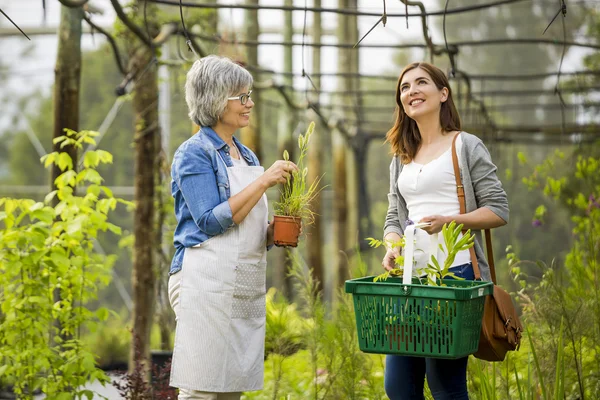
[217,283]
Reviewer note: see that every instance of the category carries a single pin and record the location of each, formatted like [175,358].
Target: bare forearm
[482,218]
[390,238]
[244,201]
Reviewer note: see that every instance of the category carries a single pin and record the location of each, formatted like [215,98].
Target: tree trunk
[67,78]
[67,75]
[340,175]
[285,141]
[358,200]
[251,134]
[314,237]
[146,142]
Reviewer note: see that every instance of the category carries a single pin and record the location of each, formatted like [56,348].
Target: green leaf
[50,196]
[88,393]
[104,156]
[92,176]
[45,215]
[114,229]
[90,159]
[107,191]
[374,242]
[66,179]
[65,161]
[48,159]
[59,258]
[64,395]
[102,313]
[94,189]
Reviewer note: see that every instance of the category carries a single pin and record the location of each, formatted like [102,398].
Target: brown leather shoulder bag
[500,327]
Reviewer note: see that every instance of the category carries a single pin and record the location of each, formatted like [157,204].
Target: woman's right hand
[279,172]
[389,260]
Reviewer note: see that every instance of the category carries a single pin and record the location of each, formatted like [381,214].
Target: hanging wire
[382,19]
[16,26]
[450,54]
[179,53]
[304,73]
[188,41]
[457,10]
[562,9]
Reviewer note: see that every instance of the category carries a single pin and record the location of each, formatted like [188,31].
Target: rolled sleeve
[223,215]
[196,178]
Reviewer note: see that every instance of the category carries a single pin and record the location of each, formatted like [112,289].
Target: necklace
[239,155]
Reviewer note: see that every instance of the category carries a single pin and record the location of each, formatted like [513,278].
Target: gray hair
[209,83]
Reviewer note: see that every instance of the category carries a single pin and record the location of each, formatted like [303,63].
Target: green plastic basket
[418,320]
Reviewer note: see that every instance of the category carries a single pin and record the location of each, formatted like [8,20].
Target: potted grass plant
[296,197]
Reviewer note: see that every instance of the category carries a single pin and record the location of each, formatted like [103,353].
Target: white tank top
[430,189]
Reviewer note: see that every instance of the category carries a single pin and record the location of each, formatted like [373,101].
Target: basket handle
[409,250]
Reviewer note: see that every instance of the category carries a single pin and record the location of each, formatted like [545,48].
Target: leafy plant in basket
[296,197]
[421,319]
[435,272]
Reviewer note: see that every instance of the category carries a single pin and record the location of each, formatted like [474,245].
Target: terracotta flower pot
[286,230]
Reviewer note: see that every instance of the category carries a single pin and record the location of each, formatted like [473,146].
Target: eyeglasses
[243,98]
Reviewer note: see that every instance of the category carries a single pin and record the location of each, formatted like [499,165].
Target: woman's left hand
[270,230]
[436,223]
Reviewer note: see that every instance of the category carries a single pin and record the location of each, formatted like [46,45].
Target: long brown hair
[404,136]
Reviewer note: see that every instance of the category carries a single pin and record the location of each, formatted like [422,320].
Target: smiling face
[236,114]
[419,95]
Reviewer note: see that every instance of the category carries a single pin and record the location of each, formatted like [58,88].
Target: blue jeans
[447,379]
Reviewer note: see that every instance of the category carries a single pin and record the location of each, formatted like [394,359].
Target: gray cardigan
[482,189]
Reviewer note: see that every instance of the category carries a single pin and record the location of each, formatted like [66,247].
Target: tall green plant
[568,294]
[296,194]
[44,251]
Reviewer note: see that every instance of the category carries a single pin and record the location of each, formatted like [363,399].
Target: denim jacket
[200,187]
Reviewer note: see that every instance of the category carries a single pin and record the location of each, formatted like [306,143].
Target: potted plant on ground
[296,196]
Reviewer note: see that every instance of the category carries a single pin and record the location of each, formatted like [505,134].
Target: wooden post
[314,236]
[67,78]
[340,178]
[285,141]
[146,148]
[251,134]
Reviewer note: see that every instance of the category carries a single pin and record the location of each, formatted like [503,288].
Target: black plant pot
[161,365]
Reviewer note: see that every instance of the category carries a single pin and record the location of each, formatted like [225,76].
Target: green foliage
[284,325]
[329,364]
[49,271]
[110,341]
[399,260]
[297,195]
[435,272]
[561,302]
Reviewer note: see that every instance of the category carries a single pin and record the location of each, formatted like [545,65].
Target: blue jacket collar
[220,143]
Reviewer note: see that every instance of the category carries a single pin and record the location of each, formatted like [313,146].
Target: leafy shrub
[49,270]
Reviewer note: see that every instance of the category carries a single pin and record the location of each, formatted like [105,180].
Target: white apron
[219,340]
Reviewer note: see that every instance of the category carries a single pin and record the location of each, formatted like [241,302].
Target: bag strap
[460,191]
